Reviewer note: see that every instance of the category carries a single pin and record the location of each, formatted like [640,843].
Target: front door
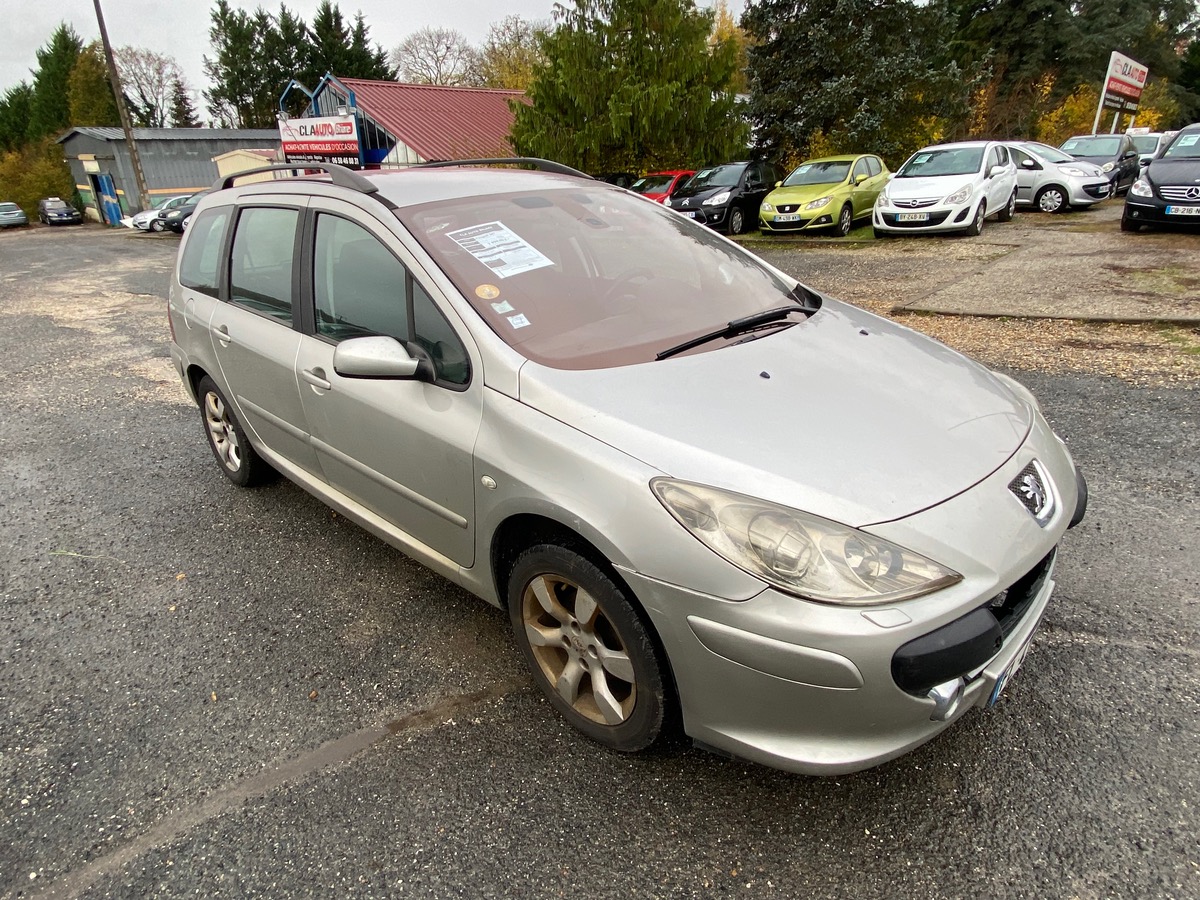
[402,448]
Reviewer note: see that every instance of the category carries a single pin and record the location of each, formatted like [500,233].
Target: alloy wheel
[578,649]
[222,432]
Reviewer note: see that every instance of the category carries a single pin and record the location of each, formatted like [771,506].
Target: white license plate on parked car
[912,217]
[691,214]
[1183,210]
[788,217]
[1010,671]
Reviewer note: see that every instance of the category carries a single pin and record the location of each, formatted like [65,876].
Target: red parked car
[659,186]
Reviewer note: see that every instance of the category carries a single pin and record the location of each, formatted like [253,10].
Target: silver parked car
[1053,181]
[151,219]
[707,495]
[948,188]
[11,216]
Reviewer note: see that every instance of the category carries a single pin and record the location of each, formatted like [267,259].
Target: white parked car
[1053,181]
[948,188]
[148,219]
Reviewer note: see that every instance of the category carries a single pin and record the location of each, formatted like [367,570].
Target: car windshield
[55,204]
[652,184]
[1093,145]
[1146,143]
[586,277]
[1048,153]
[942,161]
[718,176]
[818,173]
[1186,146]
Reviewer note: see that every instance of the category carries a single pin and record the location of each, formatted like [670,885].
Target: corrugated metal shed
[440,122]
[174,160]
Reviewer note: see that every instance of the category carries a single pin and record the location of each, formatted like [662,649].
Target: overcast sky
[179,28]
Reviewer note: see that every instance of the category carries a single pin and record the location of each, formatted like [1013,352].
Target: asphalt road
[217,692]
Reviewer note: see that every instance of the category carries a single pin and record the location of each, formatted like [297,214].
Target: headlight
[767,207]
[962,195]
[818,203]
[800,553]
[883,199]
[1141,188]
[717,199]
[1071,170]
[1107,167]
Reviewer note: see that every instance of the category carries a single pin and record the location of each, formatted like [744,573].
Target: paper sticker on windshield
[518,321]
[487,292]
[922,158]
[802,169]
[1069,145]
[502,307]
[1188,139]
[499,248]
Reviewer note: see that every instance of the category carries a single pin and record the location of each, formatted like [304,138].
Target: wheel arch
[520,531]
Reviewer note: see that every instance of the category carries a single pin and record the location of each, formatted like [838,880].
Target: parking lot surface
[217,692]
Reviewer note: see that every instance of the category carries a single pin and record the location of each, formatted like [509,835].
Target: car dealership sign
[1124,83]
[325,139]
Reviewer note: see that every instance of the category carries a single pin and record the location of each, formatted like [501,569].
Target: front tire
[737,221]
[1130,225]
[238,459]
[976,227]
[1052,199]
[845,221]
[591,653]
[156,225]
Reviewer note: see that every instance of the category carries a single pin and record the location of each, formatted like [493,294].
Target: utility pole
[126,123]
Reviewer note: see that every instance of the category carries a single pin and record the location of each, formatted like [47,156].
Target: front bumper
[938,218]
[1157,211]
[806,220]
[818,689]
[713,216]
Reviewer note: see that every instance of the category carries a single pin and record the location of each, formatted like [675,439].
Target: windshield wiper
[743,325]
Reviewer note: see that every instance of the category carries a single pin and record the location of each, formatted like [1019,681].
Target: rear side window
[199,268]
[260,265]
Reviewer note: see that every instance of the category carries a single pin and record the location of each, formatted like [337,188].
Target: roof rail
[545,165]
[339,175]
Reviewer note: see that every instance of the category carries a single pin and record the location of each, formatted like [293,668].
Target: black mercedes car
[174,218]
[725,197]
[1168,190]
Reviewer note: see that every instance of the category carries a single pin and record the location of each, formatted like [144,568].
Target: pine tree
[183,113]
[330,47]
[238,97]
[89,91]
[630,85]
[14,115]
[50,111]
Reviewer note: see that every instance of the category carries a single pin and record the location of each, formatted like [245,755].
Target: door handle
[316,377]
[222,333]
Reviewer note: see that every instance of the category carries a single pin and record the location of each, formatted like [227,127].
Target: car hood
[1094,160]
[1175,171]
[928,187]
[695,196]
[1082,164]
[803,193]
[845,415]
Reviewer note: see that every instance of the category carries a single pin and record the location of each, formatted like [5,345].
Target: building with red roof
[405,124]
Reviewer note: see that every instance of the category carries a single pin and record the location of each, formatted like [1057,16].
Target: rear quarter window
[199,269]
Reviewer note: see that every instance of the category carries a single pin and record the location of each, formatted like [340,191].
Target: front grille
[934,219]
[1097,190]
[914,204]
[788,207]
[1010,606]
[1181,194]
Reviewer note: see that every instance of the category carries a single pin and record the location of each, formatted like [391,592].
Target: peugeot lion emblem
[1032,488]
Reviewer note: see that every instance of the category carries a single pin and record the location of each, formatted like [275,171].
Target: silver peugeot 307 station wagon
[708,496]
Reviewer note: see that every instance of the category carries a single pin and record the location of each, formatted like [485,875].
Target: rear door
[402,448]
[254,332]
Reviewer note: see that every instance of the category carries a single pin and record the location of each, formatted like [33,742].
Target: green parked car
[830,193]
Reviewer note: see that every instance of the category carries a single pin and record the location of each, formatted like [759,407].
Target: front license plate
[912,217]
[1010,672]
[1183,210]
[689,213]
[788,217]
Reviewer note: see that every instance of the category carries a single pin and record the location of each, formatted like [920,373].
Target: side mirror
[997,170]
[1029,164]
[1145,162]
[859,179]
[1129,154]
[376,357]
[779,184]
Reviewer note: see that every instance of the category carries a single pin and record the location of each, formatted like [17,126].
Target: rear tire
[588,648]
[237,458]
[1006,214]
